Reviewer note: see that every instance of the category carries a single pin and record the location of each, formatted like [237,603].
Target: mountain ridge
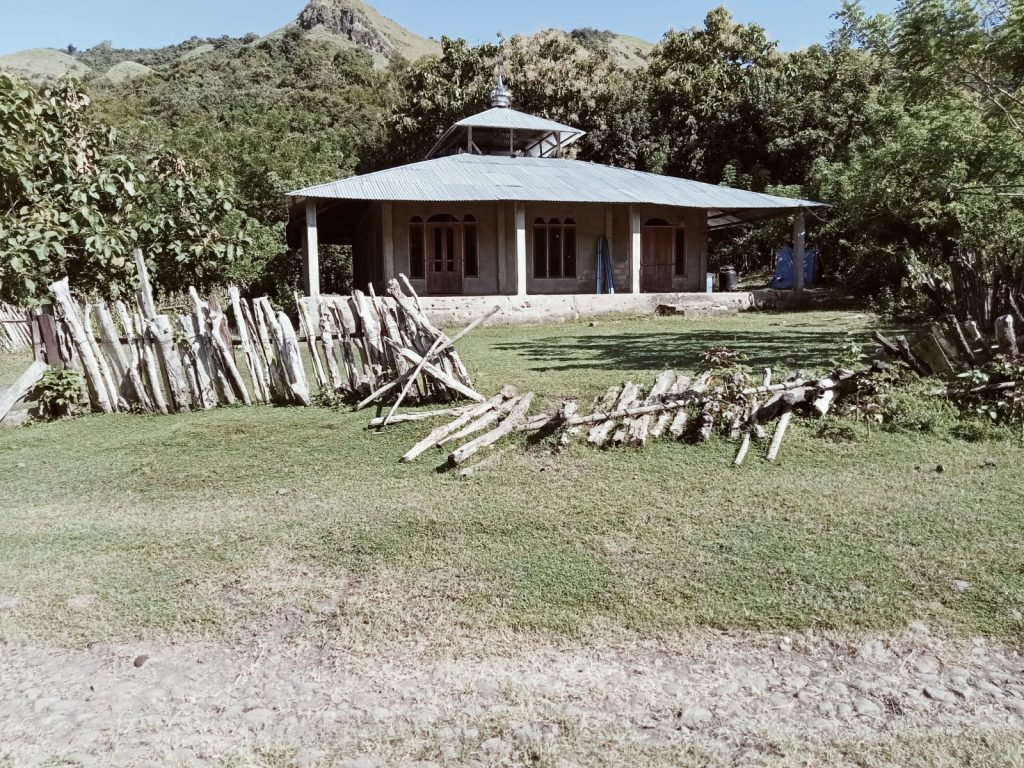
[345,23]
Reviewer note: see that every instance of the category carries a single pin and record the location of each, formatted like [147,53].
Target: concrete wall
[462,310]
[487,215]
[497,244]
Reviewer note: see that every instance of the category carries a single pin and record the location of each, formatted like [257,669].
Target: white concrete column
[520,249]
[311,253]
[634,250]
[387,216]
[799,247]
[500,214]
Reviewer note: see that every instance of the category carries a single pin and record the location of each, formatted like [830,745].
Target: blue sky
[151,23]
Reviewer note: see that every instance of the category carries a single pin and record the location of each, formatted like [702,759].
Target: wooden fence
[15,331]
[231,350]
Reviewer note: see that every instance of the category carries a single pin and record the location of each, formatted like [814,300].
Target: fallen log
[439,434]
[489,419]
[639,429]
[517,414]
[403,418]
[600,434]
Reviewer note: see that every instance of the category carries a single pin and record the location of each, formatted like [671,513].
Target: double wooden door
[444,258]
[657,259]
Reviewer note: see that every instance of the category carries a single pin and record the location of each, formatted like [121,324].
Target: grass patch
[850,530]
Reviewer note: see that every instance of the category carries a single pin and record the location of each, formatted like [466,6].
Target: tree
[933,184]
[71,205]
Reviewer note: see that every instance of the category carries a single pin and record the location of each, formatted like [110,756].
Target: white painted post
[388,243]
[501,213]
[520,249]
[311,253]
[799,247]
[634,250]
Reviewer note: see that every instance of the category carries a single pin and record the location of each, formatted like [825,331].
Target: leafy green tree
[934,182]
[71,205]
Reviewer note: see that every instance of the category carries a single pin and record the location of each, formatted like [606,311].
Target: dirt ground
[311,680]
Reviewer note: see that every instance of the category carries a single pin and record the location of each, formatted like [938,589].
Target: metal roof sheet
[503,117]
[468,178]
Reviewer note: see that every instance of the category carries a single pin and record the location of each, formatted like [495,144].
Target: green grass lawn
[157,515]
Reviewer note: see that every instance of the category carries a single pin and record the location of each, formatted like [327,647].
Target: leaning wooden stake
[93,377]
[306,327]
[261,391]
[162,332]
[292,359]
[330,356]
[1006,336]
[108,376]
[427,358]
[780,432]
[135,372]
[148,304]
[741,454]
[442,377]
[227,356]
[21,387]
[153,379]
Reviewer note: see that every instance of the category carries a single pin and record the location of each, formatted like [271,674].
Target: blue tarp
[605,274]
[783,279]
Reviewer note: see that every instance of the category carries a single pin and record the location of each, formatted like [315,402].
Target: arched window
[470,258]
[554,249]
[417,261]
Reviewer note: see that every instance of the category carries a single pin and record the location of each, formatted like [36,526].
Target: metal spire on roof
[501,97]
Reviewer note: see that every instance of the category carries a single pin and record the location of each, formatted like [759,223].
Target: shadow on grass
[797,339]
[644,351]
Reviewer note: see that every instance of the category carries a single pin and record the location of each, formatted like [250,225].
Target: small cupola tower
[501,97]
[504,132]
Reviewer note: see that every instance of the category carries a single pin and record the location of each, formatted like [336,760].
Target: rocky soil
[501,699]
[329,669]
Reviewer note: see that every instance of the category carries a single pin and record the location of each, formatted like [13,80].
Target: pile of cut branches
[675,406]
[981,373]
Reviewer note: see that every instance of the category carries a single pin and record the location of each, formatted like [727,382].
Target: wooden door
[444,259]
[657,259]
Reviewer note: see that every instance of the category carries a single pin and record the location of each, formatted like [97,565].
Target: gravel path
[494,698]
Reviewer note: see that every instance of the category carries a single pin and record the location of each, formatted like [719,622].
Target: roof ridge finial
[501,97]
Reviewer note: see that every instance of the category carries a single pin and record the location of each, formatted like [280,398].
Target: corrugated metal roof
[503,117]
[468,178]
[528,130]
